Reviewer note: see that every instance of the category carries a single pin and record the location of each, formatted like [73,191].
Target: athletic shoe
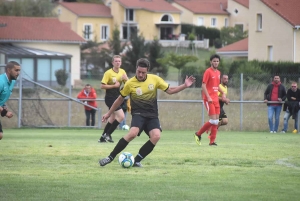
[198,139]
[108,138]
[137,164]
[274,131]
[102,140]
[104,161]
[271,132]
[282,131]
[213,144]
[295,131]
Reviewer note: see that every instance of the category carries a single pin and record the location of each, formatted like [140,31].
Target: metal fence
[42,106]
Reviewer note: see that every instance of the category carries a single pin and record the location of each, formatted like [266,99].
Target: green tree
[29,8]
[138,49]
[230,35]
[177,61]
[155,52]
[61,77]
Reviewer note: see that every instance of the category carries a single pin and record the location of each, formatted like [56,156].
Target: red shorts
[212,108]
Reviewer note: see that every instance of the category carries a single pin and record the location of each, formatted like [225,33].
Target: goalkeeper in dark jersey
[142,89]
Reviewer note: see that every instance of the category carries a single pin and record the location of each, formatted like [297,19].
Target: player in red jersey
[210,89]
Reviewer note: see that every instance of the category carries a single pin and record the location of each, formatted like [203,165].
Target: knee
[133,132]
[224,121]
[154,135]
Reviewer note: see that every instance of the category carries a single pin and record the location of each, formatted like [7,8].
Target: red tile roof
[36,29]
[287,9]
[204,6]
[151,5]
[88,9]
[243,2]
[241,45]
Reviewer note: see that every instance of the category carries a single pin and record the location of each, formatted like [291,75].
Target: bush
[61,77]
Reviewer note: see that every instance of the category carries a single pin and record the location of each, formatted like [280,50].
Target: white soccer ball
[125,127]
[126,160]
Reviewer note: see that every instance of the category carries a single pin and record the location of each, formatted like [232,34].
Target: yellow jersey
[109,78]
[224,89]
[143,95]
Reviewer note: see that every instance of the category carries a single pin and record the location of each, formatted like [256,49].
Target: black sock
[118,148]
[106,128]
[113,127]
[144,151]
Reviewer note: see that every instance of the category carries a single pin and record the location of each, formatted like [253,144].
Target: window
[270,53]
[259,22]
[213,22]
[200,21]
[226,22]
[104,32]
[58,11]
[129,15]
[131,29]
[88,32]
[167,18]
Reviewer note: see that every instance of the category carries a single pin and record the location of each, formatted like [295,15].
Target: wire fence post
[241,105]
[70,102]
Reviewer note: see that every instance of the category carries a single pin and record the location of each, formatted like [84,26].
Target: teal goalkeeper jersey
[6,88]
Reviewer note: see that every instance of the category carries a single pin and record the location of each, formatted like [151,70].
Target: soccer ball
[125,127]
[126,160]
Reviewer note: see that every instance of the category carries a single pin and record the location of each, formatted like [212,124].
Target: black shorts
[222,114]
[1,131]
[109,101]
[145,124]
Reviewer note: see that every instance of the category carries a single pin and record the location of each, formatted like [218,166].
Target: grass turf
[61,164]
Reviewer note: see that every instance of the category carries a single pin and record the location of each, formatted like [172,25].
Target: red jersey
[212,80]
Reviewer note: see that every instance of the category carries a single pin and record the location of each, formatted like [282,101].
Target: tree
[61,77]
[231,35]
[155,52]
[137,50]
[29,8]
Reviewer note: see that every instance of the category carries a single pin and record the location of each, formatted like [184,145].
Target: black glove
[3,113]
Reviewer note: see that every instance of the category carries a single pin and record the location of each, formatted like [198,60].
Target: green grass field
[61,164]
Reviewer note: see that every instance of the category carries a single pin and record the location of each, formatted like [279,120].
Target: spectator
[274,92]
[89,93]
[291,107]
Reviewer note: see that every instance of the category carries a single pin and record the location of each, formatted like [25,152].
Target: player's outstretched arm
[187,83]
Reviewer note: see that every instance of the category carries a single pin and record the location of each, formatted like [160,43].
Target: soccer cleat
[198,139]
[108,138]
[102,140]
[137,164]
[104,161]
[295,131]
[213,144]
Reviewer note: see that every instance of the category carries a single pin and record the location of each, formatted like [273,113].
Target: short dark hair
[11,64]
[143,62]
[215,56]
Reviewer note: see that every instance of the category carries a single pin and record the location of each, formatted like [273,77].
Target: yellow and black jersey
[143,95]
[110,77]
[224,89]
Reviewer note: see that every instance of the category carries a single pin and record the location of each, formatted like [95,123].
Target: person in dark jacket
[291,107]
[274,92]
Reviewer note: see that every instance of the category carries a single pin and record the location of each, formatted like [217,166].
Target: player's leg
[296,122]
[137,123]
[1,131]
[153,130]
[118,116]
[93,117]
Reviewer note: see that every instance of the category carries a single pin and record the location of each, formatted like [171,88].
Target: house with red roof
[239,14]
[90,20]
[41,46]
[237,50]
[151,18]
[208,13]
[274,31]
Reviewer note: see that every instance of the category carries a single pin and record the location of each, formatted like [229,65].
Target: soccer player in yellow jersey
[223,120]
[142,89]
[111,82]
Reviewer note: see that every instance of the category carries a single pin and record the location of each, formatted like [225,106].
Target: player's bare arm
[204,89]
[187,83]
[124,77]
[112,86]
